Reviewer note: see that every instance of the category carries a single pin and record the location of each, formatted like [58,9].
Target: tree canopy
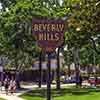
[17,42]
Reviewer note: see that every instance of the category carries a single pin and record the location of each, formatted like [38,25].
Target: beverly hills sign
[49,33]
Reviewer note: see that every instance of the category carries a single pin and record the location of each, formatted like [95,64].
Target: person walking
[12,86]
[6,84]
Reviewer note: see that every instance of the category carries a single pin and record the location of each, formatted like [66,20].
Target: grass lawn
[2,99]
[67,93]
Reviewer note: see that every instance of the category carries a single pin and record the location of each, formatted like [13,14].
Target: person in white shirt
[12,86]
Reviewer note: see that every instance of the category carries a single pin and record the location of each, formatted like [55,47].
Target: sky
[59,0]
[0,6]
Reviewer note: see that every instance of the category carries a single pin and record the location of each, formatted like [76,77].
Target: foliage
[16,37]
[83,28]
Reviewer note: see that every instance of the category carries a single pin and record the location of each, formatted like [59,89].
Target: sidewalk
[26,88]
[10,96]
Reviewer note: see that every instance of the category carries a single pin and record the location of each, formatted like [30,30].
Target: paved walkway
[15,95]
[26,89]
[10,96]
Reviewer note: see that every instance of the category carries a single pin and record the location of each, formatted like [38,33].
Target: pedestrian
[6,84]
[12,86]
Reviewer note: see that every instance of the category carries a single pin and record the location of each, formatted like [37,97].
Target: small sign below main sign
[49,33]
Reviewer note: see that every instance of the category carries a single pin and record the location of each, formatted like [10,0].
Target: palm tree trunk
[17,75]
[76,61]
[58,71]
[69,71]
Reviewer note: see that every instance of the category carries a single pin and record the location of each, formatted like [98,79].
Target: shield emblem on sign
[49,33]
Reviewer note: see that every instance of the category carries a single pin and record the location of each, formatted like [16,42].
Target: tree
[17,42]
[83,23]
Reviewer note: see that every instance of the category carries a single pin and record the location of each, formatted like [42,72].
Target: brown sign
[48,33]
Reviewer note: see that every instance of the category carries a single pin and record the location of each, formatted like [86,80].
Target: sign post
[49,77]
[49,34]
